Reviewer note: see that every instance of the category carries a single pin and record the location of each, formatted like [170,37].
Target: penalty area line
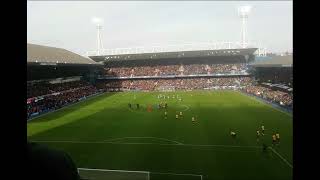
[113,170]
[142,172]
[289,164]
[177,174]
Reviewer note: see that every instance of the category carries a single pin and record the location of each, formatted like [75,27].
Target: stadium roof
[51,55]
[174,55]
[275,61]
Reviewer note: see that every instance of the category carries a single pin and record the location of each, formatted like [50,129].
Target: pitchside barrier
[107,174]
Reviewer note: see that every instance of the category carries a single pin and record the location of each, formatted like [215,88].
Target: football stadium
[175,115]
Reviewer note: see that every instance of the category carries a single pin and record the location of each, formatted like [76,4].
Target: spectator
[276,96]
[46,163]
[161,70]
[182,84]
[58,100]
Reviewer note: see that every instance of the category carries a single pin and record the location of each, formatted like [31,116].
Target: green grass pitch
[103,133]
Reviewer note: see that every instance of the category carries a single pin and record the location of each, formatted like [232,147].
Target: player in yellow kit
[165,115]
[278,138]
[258,135]
[262,130]
[233,134]
[177,116]
[193,119]
[274,139]
[180,114]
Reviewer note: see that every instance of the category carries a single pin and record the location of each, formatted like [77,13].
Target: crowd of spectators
[58,100]
[45,96]
[192,69]
[245,83]
[45,88]
[178,84]
[59,95]
[276,96]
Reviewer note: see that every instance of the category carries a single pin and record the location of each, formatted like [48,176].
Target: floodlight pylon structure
[99,39]
[243,13]
[98,23]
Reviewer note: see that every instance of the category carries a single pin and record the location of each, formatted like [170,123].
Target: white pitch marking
[112,170]
[177,174]
[109,140]
[187,107]
[290,165]
[191,145]
[143,172]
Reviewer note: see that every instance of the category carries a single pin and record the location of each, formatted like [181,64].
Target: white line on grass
[110,140]
[113,170]
[190,145]
[177,174]
[290,165]
[186,109]
[142,172]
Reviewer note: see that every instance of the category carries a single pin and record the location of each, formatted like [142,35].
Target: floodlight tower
[99,39]
[243,13]
[98,22]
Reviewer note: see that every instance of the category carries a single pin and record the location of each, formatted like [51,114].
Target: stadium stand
[46,88]
[270,79]
[44,54]
[57,77]
[79,77]
[279,97]
[193,69]
[45,63]
[57,100]
[274,77]
[178,84]
[275,70]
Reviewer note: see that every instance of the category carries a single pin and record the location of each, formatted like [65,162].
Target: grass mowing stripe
[208,148]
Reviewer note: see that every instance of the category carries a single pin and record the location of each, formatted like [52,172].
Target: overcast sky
[131,24]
